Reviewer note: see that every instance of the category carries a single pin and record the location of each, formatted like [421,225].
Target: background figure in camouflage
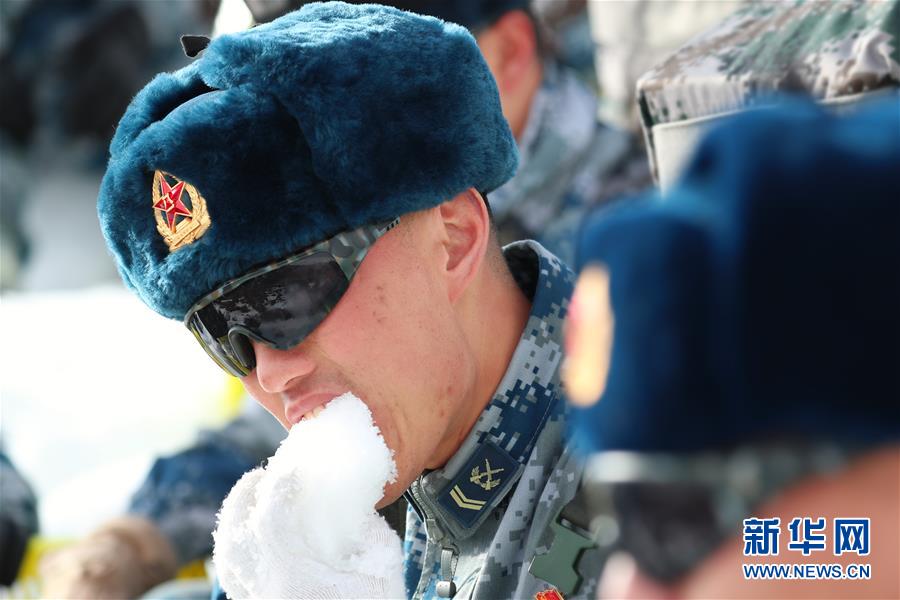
[631,37]
[837,52]
[569,160]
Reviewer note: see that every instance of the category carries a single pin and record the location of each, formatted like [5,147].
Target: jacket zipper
[445,588]
[434,531]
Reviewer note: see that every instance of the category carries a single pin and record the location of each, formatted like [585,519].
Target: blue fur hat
[281,136]
[760,299]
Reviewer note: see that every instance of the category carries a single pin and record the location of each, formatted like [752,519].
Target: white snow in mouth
[321,485]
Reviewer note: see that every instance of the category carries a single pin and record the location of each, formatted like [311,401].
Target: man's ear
[510,48]
[467,230]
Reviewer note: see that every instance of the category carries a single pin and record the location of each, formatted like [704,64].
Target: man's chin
[392,493]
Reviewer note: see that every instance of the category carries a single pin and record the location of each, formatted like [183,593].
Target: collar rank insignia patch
[176,223]
[479,486]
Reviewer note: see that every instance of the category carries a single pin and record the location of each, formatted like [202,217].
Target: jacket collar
[458,497]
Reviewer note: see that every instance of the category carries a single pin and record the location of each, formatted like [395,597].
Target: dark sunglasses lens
[296,299]
[280,308]
[243,350]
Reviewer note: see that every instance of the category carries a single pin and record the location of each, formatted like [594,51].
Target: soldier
[738,377]
[744,352]
[309,198]
[568,162]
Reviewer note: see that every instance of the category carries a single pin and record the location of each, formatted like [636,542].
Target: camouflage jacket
[834,51]
[480,520]
[568,162]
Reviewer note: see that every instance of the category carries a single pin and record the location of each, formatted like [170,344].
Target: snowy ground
[93,385]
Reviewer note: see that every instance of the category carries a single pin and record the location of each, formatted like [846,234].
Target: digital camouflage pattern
[631,37]
[568,162]
[480,520]
[829,50]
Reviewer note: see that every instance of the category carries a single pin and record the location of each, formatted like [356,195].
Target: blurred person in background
[67,71]
[818,433]
[737,345]
[18,519]
[570,161]
[564,28]
[170,518]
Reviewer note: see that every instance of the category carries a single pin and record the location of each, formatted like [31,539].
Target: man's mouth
[304,408]
[314,412]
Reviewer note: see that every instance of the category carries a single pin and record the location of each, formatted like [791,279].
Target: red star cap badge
[170,202]
[549,594]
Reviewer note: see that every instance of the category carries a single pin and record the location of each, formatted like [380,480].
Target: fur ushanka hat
[281,136]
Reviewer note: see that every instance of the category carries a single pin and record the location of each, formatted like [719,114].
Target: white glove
[305,526]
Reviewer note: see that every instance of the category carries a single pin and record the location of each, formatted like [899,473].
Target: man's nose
[277,370]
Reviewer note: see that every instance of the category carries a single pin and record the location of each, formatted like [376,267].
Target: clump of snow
[313,498]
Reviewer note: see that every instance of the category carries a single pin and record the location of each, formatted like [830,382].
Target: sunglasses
[281,303]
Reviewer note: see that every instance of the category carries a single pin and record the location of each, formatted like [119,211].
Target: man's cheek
[349,339]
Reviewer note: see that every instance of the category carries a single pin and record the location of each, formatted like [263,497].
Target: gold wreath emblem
[485,480]
[168,207]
